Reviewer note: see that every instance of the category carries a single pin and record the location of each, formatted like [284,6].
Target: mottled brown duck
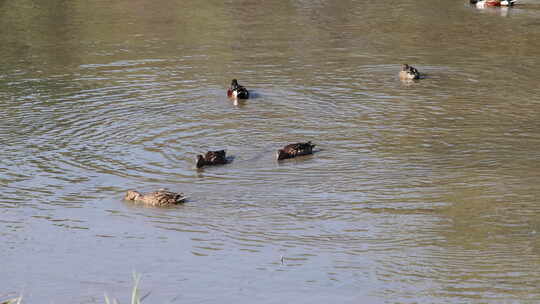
[294,150]
[408,72]
[158,198]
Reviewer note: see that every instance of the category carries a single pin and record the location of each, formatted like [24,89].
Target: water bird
[491,3]
[408,72]
[159,198]
[211,158]
[237,91]
[294,150]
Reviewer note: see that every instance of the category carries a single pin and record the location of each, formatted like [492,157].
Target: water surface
[422,192]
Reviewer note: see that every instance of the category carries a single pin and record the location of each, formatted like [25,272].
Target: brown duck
[294,150]
[158,198]
[211,158]
[408,72]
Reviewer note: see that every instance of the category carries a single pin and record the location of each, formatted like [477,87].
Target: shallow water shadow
[253,95]
[240,102]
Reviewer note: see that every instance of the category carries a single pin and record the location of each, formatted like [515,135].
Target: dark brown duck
[294,150]
[211,158]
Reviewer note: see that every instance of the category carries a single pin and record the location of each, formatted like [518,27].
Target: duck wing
[299,148]
[164,198]
[216,157]
[242,92]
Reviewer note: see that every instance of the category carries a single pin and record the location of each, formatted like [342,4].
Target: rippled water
[423,192]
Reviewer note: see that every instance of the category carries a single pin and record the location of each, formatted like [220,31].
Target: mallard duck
[211,158]
[158,198]
[408,72]
[294,150]
[237,91]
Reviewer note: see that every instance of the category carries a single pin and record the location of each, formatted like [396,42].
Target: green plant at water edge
[135,299]
[17,300]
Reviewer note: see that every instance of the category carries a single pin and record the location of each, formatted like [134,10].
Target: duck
[491,3]
[408,72]
[237,91]
[159,198]
[294,150]
[211,158]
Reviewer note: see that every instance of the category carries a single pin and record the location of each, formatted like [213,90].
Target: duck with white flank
[492,3]
[237,91]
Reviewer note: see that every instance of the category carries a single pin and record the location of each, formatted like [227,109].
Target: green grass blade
[17,300]
[135,293]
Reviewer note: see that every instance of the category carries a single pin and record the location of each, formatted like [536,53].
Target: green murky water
[420,192]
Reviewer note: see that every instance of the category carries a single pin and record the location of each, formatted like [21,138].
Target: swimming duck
[294,150]
[408,72]
[491,3]
[158,198]
[211,158]
[237,91]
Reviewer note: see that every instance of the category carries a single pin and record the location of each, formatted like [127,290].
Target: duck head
[405,67]
[234,84]
[200,161]
[132,195]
